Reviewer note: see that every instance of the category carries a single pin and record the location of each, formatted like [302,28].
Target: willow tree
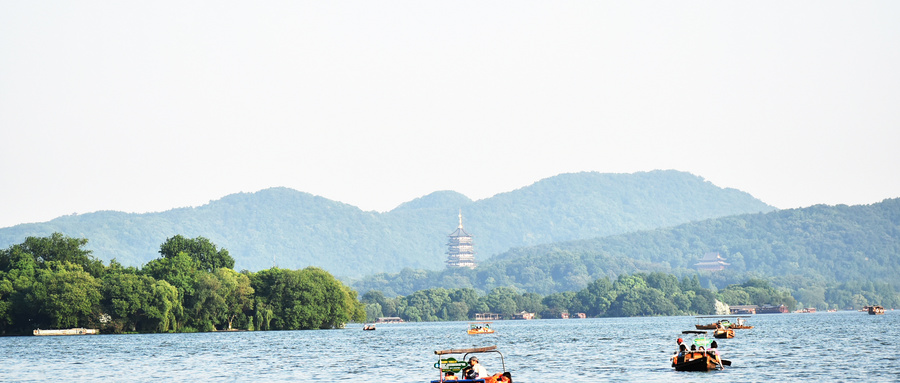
[305,299]
[65,294]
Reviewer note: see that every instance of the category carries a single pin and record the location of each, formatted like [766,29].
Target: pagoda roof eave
[459,233]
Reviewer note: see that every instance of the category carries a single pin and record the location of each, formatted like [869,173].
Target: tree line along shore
[53,282]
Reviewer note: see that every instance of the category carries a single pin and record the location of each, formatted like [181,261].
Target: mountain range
[839,256]
[293,229]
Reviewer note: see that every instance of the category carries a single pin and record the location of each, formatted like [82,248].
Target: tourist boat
[723,333]
[369,327]
[68,331]
[480,328]
[876,310]
[702,359]
[452,362]
[739,322]
[713,326]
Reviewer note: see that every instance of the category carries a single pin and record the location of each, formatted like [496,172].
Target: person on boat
[449,376]
[476,370]
[714,348]
[500,377]
[682,351]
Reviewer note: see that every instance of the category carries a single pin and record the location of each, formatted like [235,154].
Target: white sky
[148,106]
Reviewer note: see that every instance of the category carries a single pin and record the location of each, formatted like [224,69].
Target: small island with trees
[53,282]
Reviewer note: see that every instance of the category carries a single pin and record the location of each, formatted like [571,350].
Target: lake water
[842,346]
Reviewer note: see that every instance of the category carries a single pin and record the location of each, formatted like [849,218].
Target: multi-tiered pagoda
[711,262]
[460,252]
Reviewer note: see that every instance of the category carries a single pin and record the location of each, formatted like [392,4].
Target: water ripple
[822,347]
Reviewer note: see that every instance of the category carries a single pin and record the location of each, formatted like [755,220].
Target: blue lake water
[842,346]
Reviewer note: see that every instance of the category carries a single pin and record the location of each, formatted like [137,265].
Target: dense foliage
[827,256]
[54,282]
[641,294]
[292,229]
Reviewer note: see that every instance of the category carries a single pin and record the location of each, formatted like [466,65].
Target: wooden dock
[68,331]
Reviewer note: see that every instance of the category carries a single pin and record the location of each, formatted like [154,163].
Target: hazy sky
[149,106]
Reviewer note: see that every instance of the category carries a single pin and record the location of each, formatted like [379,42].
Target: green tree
[596,297]
[642,301]
[557,303]
[6,291]
[530,302]
[238,294]
[206,307]
[60,248]
[205,252]
[502,300]
[306,299]
[139,303]
[162,306]
[18,311]
[124,297]
[65,294]
[180,271]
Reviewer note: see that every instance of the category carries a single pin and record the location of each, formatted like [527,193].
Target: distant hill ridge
[820,253]
[295,229]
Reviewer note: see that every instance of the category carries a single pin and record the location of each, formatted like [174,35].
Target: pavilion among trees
[711,262]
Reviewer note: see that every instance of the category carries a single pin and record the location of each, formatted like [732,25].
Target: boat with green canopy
[700,357]
[453,361]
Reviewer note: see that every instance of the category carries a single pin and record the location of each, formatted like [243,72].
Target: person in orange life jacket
[504,377]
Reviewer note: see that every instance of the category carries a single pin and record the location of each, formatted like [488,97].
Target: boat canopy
[702,342]
[724,316]
[451,364]
[466,350]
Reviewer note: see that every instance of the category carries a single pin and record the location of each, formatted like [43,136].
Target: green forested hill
[294,229]
[816,252]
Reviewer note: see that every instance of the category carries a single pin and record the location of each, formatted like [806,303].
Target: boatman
[477,370]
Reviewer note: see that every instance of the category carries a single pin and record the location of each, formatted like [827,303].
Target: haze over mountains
[825,256]
[294,229]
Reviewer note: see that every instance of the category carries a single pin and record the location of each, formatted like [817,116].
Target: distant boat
[713,326]
[68,331]
[876,310]
[389,320]
[769,309]
[480,328]
[723,333]
[369,327]
[739,322]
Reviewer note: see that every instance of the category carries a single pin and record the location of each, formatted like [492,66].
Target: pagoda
[711,262]
[460,252]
